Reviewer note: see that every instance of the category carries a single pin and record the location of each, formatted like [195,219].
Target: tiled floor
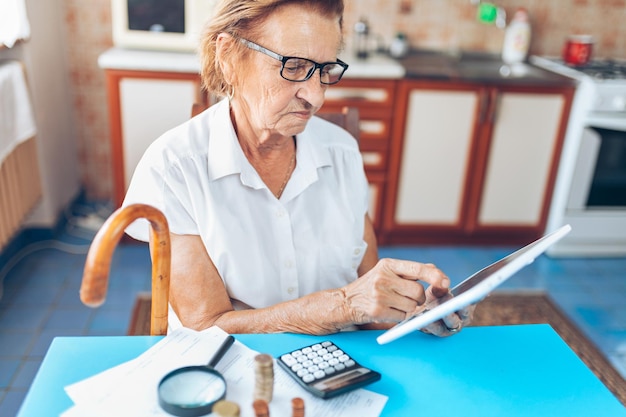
[40,298]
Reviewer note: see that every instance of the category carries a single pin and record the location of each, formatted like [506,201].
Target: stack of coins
[261,409]
[264,377]
[297,406]
[225,408]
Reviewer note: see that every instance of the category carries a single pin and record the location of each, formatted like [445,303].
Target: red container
[577,49]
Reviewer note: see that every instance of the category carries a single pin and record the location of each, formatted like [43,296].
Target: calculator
[325,370]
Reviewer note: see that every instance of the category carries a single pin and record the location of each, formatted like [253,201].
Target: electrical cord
[73,227]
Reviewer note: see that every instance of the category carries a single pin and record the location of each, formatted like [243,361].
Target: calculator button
[312,369]
[332,348]
[319,374]
[326,344]
[337,353]
[308,378]
[333,362]
[323,365]
[343,358]
[297,367]
[312,355]
[307,350]
[318,360]
[316,346]
[327,357]
[296,353]
[330,370]
[340,367]
[289,360]
[322,352]
[307,363]
[349,363]
[302,372]
[302,358]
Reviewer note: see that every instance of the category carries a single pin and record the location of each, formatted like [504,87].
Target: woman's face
[267,105]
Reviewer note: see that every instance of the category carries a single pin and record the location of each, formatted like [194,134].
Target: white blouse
[266,250]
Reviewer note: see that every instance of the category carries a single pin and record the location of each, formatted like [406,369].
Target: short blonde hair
[240,18]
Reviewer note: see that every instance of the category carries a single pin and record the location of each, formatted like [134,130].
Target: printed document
[130,389]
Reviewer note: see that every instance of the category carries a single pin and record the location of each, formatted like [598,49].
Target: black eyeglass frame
[284,59]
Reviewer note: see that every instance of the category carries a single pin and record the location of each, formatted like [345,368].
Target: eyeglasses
[301,69]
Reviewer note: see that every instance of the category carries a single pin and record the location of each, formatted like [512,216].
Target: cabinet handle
[495,106]
[484,106]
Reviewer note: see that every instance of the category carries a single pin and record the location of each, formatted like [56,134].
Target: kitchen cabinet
[142,106]
[374,98]
[472,162]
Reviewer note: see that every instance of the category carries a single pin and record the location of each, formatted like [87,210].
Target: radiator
[20,182]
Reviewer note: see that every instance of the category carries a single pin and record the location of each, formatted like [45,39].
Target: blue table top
[520,370]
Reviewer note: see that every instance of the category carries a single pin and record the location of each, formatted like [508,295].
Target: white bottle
[516,38]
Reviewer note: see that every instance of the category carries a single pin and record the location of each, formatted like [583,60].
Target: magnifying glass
[191,391]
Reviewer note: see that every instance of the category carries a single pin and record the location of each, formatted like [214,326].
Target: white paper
[130,389]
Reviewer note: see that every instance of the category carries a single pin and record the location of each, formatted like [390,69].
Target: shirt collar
[225,156]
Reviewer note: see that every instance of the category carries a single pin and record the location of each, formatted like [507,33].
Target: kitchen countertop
[377,66]
[475,67]
[472,67]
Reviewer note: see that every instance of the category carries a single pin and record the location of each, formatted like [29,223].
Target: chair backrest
[348,117]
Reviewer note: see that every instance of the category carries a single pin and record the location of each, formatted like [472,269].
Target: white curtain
[13,22]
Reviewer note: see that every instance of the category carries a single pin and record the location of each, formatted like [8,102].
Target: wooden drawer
[362,93]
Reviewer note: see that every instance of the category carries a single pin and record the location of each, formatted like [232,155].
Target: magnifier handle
[221,351]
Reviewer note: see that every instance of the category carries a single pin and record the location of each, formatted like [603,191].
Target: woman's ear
[225,58]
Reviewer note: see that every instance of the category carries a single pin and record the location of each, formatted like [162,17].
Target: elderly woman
[267,204]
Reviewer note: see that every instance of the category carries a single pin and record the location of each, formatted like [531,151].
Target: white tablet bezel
[479,285]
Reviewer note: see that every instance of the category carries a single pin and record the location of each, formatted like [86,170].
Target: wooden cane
[96,274]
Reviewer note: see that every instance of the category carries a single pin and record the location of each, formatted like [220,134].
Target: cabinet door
[143,106]
[521,159]
[149,108]
[434,158]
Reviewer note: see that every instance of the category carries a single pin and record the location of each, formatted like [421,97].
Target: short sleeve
[161,182]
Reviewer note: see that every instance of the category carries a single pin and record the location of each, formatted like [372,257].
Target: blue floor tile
[26,374]
[8,369]
[15,344]
[12,401]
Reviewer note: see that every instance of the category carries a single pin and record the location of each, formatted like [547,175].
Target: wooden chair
[348,118]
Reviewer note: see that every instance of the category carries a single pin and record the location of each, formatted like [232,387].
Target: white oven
[590,193]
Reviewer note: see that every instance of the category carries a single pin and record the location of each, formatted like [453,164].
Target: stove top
[604,69]
[605,79]
[600,71]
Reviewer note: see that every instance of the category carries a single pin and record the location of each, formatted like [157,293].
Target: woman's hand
[452,323]
[391,290]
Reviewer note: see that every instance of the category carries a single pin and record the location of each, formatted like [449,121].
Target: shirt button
[291,290]
[288,264]
[357,251]
[280,213]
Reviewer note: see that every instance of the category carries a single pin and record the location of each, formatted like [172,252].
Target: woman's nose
[312,90]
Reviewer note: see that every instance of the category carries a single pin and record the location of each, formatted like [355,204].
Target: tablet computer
[474,288]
